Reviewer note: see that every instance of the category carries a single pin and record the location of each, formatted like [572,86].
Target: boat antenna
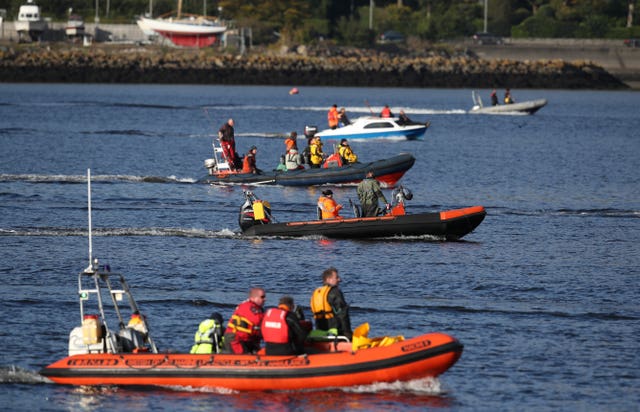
[368,105]
[90,267]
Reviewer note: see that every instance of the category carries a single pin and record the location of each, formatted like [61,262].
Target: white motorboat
[373,127]
[185,30]
[75,26]
[30,23]
[528,107]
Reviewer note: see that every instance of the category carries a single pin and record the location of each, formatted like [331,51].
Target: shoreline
[351,68]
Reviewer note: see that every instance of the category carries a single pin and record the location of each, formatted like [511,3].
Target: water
[544,294]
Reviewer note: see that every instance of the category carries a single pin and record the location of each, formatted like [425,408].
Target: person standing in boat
[343,120]
[508,99]
[494,98]
[249,162]
[226,134]
[208,338]
[317,155]
[243,330]
[346,153]
[386,111]
[330,310]
[332,117]
[282,331]
[369,194]
[329,208]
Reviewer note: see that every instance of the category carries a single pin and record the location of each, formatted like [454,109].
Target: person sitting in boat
[226,135]
[508,99]
[329,208]
[208,338]
[282,165]
[386,111]
[291,141]
[243,329]
[317,155]
[293,160]
[494,98]
[346,153]
[281,329]
[369,194]
[330,310]
[249,162]
[343,120]
[332,117]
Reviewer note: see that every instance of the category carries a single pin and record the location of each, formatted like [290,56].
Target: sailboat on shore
[183,29]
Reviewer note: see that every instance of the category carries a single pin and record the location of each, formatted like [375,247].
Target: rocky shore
[148,64]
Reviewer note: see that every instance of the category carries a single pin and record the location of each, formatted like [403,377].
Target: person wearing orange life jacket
[329,208]
[282,331]
[333,117]
[243,329]
[249,162]
[386,111]
[330,310]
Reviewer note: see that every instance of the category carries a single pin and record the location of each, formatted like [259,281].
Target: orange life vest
[320,304]
[332,117]
[386,112]
[330,209]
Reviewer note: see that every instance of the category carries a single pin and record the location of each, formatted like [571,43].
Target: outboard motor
[254,212]
[310,131]
[400,194]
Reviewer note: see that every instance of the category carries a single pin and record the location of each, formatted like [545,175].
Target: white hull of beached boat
[188,32]
[30,22]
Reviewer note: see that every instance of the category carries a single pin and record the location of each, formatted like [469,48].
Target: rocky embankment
[129,64]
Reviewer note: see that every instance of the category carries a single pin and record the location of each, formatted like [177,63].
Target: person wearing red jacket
[282,331]
[243,329]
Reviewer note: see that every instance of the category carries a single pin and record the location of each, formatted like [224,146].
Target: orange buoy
[294,91]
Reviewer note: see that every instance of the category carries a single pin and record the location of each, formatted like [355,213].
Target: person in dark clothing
[330,310]
[226,134]
[369,194]
[282,331]
[494,98]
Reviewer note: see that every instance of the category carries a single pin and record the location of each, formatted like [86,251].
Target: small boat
[128,356]
[256,220]
[386,171]
[30,24]
[372,127]
[75,26]
[528,107]
[186,30]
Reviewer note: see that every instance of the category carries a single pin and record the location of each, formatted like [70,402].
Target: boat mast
[179,8]
[89,211]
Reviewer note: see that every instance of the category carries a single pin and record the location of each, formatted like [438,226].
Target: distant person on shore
[226,134]
[332,117]
[508,99]
[494,98]
[343,120]
[386,111]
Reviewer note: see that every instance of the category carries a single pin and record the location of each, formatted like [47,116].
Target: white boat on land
[30,23]
[373,127]
[183,29]
[75,26]
[528,107]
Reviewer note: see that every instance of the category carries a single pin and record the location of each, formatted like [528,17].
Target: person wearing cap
[369,194]
[317,155]
[208,338]
[332,117]
[328,207]
[249,162]
[281,329]
[346,153]
[243,329]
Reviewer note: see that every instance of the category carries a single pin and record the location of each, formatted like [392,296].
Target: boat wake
[151,231]
[425,386]
[37,178]
[16,374]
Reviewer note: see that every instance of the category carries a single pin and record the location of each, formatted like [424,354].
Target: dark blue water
[544,294]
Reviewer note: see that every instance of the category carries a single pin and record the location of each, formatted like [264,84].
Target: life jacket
[248,163]
[245,321]
[316,153]
[274,326]
[386,112]
[328,207]
[292,159]
[332,117]
[208,337]
[347,154]
[335,160]
[290,143]
[137,323]
[320,303]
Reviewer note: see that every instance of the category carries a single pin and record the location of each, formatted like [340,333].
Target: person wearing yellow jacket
[208,338]
[330,310]
[346,153]
[329,208]
[317,155]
